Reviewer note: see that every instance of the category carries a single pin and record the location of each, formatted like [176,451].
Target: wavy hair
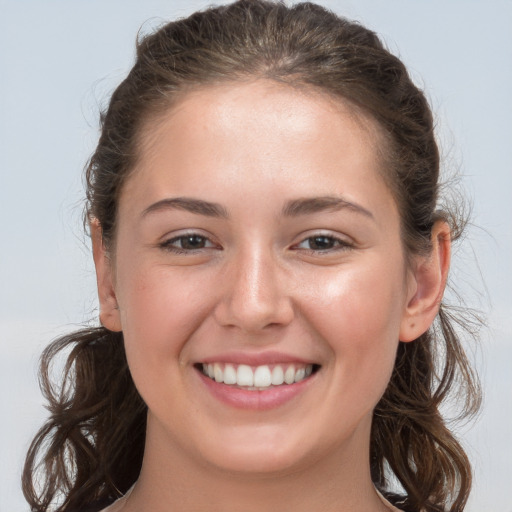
[91,447]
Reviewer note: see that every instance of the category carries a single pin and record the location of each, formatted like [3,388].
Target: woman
[271,258]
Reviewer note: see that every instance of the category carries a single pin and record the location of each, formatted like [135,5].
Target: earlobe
[109,309]
[428,283]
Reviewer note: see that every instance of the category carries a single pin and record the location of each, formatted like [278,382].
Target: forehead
[260,104]
[255,137]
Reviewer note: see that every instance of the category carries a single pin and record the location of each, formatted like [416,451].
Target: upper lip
[255,359]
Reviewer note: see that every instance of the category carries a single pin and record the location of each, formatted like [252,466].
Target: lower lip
[255,400]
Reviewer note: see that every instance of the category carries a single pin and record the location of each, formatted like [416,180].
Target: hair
[91,447]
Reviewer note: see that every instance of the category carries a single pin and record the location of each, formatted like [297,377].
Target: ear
[426,288]
[109,309]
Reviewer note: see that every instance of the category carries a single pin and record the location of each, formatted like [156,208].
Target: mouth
[257,378]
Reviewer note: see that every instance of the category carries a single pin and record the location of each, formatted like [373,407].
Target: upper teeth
[257,377]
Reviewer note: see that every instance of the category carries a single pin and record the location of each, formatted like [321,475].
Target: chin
[258,463]
[259,452]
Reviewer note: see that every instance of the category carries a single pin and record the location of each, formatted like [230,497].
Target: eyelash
[168,244]
[335,244]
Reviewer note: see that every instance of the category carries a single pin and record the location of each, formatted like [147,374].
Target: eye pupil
[321,242]
[193,242]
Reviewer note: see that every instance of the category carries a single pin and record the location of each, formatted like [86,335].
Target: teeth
[289,375]
[277,375]
[244,375]
[300,374]
[218,374]
[260,377]
[229,374]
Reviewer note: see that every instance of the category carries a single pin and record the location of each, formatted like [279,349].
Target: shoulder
[97,506]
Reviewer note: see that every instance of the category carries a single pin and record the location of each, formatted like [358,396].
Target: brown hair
[91,447]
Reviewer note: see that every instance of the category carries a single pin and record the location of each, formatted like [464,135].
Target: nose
[254,296]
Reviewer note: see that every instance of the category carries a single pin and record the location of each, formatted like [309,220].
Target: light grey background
[58,62]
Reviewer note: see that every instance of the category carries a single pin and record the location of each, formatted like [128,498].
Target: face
[259,277]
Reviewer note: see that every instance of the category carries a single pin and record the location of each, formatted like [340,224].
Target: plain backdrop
[59,60]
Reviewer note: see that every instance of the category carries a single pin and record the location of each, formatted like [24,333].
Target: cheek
[160,310]
[358,314]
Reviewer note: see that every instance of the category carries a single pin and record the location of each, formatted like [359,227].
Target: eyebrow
[320,204]
[294,208]
[188,204]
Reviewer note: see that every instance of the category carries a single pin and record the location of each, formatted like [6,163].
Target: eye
[187,243]
[323,243]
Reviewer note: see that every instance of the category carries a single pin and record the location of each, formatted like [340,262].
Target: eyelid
[166,242]
[342,242]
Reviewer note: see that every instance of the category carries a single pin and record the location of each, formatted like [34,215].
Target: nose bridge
[255,293]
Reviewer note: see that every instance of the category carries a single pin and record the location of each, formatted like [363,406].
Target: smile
[257,378]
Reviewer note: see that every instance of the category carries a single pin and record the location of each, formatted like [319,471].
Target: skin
[258,284]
